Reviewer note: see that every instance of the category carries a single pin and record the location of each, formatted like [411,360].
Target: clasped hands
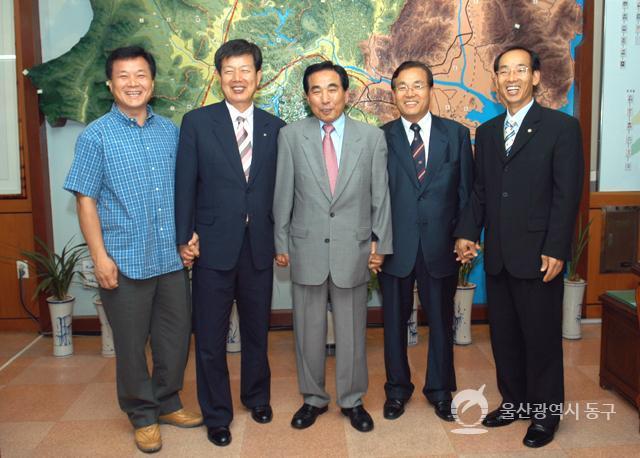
[466,250]
[190,251]
[374,263]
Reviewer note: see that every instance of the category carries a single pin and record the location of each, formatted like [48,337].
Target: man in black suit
[529,171]
[430,177]
[225,175]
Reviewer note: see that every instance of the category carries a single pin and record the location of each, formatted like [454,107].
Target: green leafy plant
[577,247]
[56,271]
[465,269]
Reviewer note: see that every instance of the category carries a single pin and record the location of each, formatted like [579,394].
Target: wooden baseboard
[592,311]
[18,325]
[280,319]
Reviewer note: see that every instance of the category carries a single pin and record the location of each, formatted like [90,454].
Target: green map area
[370,38]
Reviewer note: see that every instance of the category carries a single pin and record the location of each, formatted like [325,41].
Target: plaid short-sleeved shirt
[130,171]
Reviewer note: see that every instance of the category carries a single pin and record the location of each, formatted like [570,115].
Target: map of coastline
[457,38]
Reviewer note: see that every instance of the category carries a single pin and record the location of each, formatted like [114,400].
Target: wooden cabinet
[620,344]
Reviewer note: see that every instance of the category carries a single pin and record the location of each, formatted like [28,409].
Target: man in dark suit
[529,171]
[430,176]
[225,175]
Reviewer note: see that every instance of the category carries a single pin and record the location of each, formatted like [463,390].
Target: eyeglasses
[405,87]
[521,70]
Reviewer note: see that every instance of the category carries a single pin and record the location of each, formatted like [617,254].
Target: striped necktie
[509,135]
[244,145]
[417,151]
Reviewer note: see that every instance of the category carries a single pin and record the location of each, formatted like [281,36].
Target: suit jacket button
[505,194]
[332,214]
[506,168]
[326,240]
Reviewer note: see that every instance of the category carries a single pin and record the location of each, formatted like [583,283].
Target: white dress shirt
[425,133]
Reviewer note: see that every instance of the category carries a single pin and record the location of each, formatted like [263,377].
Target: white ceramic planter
[108,349]
[462,305]
[572,308]
[412,324]
[233,339]
[61,316]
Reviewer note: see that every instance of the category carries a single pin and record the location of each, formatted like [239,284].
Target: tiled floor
[67,408]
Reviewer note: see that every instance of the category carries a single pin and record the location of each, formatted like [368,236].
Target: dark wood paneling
[583,110]
[35,204]
[598,283]
[16,235]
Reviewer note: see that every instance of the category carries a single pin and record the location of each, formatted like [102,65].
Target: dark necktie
[417,151]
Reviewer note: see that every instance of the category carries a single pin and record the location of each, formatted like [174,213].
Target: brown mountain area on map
[432,32]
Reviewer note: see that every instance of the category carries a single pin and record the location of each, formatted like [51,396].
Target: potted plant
[55,274]
[463,303]
[574,286]
[89,281]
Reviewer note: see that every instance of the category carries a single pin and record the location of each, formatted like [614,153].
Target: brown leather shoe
[148,438]
[181,418]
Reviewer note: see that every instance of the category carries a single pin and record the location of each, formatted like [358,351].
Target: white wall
[62,24]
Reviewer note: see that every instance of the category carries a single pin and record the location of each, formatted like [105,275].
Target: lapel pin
[264,134]
[529,130]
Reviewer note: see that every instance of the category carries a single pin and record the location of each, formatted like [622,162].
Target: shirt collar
[424,123]
[119,114]
[338,124]
[234,112]
[519,115]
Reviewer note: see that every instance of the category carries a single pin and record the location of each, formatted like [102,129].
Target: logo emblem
[462,402]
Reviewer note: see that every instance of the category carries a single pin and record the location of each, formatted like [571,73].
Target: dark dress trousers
[527,204]
[423,217]
[234,220]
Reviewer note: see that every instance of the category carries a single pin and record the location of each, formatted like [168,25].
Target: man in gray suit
[332,221]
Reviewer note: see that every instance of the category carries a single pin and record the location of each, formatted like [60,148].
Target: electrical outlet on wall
[22,268]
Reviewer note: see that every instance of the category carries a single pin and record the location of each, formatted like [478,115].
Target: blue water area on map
[568,108]
[282,17]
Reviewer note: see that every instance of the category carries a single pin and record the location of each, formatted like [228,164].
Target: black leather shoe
[393,408]
[539,435]
[306,416]
[219,435]
[360,418]
[262,414]
[443,410]
[498,417]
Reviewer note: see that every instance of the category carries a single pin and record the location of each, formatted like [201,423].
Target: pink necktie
[330,158]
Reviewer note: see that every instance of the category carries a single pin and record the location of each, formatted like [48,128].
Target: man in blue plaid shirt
[123,179]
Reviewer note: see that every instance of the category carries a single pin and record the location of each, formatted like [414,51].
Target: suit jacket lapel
[437,151]
[526,131]
[312,149]
[260,135]
[223,130]
[349,158]
[401,147]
